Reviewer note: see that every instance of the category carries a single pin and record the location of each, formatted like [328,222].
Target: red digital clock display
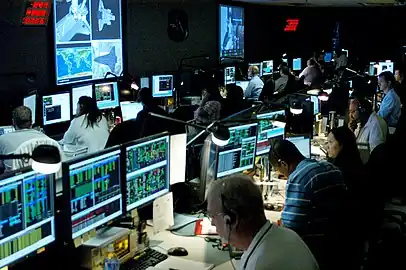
[291,25]
[36,13]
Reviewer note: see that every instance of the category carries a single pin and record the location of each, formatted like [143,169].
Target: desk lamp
[45,159]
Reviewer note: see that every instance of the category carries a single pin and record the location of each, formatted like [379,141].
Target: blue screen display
[107,95]
[231,31]
[328,57]
[297,64]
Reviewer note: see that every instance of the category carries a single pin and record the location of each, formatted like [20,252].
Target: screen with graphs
[147,166]
[27,220]
[95,192]
[271,125]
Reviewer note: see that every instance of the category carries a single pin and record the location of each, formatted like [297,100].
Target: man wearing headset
[236,209]
[316,204]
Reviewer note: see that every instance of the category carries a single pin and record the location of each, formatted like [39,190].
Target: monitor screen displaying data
[27,215]
[302,143]
[297,64]
[147,166]
[88,39]
[106,95]
[271,125]
[229,75]
[130,110]
[31,102]
[239,154]
[385,66]
[56,108]
[162,85]
[328,56]
[80,91]
[316,104]
[267,67]
[144,81]
[94,191]
[231,32]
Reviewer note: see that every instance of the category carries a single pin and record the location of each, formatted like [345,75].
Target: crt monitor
[27,214]
[162,86]
[271,125]
[229,75]
[231,32]
[130,110]
[316,104]
[147,170]
[92,188]
[302,143]
[56,108]
[258,65]
[31,102]
[106,95]
[239,154]
[267,67]
[297,64]
[80,91]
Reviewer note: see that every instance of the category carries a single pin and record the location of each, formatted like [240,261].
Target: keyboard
[145,259]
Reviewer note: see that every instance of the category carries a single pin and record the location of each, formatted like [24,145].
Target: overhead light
[284,55]
[134,86]
[296,108]
[323,96]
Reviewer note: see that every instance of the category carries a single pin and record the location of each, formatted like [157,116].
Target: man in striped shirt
[316,203]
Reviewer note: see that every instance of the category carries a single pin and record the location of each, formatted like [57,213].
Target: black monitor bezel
[70,108]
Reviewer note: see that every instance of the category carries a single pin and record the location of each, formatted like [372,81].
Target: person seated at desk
[254,88]
[210,107]
[391,105]
[144,125]
[316,204]
[234,101]
[89,128]
[236,209]
[311,75]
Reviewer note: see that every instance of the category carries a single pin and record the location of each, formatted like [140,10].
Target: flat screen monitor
[267,67]
[147,171]
[6,129]
[231,32]
[130,110]
[302,143]
[31,102]
[144,82]
[80,91]
[88,40]
[242,84]
[297,64]
[271,125]
[328,56]
[27,215]
[316,104]
[93,190]
[385,66]
[229,75]
[107,95]
[56,108]
[162,86]
[258,65]
[239,154]
[372,68]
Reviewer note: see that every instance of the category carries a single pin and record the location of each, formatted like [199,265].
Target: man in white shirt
[254,88]
[341,60]
[391,106]
[22,123]
[236,209]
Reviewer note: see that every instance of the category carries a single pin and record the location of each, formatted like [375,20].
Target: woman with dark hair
[210,106]
[234,101]
[89,128]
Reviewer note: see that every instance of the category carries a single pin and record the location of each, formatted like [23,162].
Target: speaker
[178,25]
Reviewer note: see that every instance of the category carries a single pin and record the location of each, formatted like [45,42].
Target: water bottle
[111,262]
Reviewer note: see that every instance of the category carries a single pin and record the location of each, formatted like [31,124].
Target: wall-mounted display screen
[231,32]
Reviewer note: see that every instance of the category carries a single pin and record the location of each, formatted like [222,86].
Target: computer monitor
[302,143]
[144,82]
[229,75]
[162,86]
[231,31]
[385,66]
[107,95]
[130,110]
[328,56]
[6,129]
[27,214]
[80,91]
[239,154]
[372,68]
[271,125]
[267,67]
[258,65]
[92,188]
[316,104]
[242,84]
[147,170]
[56,108]
[297,64]
[31,102]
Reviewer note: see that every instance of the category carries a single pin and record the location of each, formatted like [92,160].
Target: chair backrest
[364,151]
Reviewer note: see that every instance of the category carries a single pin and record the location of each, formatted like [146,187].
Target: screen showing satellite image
[88,39]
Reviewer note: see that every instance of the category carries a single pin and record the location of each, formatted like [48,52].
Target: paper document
[162,213]
[183,264]
[177,162]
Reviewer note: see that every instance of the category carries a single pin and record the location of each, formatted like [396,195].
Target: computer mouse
[177,251]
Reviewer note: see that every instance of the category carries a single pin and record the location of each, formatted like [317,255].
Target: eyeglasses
[210,217]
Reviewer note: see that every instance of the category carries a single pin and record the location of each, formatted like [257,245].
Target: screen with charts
[88,39]
[229,75]
[31,102]
[385,66]
[258,65]
[147,166]
[316,104]
[56,108]
[302,143]
[162,86]
[130,110]
[242,84]
[106,95]
[94,190]
[231,31]
[239,154]
[270,126]
[297,64]
[80,91]
[144,82]
[27,215]
[267,67]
